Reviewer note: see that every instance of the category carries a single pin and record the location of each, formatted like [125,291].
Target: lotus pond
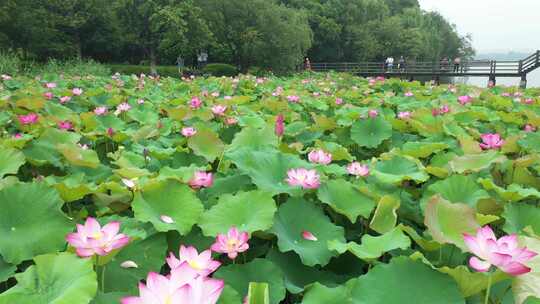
[319,188]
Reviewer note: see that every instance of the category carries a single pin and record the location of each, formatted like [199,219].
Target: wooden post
[523,82]
[520,66]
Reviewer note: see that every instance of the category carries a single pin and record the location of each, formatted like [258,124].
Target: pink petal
[479,265]
[131,300]
[111,229]
[308,236]
[515,268]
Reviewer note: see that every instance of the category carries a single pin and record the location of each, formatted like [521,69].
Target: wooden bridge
[475,68]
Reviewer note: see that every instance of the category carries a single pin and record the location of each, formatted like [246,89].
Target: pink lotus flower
[227,97]
[77,91]
[65,125]
[201,179]
[260,80]
[215,94]
[320,157]
[65,99]
[307,179]
[506,94]
[91,239]
[518,94]
[5,77]
[123,107]
[465,99]
[232,243]
[529,128]
[409,94]
[339,101]
[293,98]
[380,78]
[280,125]
[231,121]
[48,95]
[100,110]
[219,110]
[110,132]
[140,101]
[491,84]
[491,141]
[373,113]
[316,94]
[182,286]
[372,82]
[357,169]
[444,109]
[404,115]
[528,101]
[17,136]
[28,119]
[308,236]
[50,85]
[202,263]
[195,103]
[503,253]
[188,131]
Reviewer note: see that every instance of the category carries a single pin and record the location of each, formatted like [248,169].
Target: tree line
[269,34]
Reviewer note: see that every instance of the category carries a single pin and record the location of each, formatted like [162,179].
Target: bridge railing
[468,67]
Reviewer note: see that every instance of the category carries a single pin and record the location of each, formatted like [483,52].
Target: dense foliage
[343,190]
[269,34]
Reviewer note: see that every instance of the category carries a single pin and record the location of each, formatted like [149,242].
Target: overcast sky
[495,25]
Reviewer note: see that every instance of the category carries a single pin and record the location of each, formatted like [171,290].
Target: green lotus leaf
[110,297]
[43,150]
[171,199]
[78,156]
[182,174]
[398,169]
[248,211]
[206,144]
[428,245]
[371,132]
[345,199]
[320,294]
[385,216]
[372,247]
[528,285]
[239,276]
[72,187]
[255,139]
[148,254]
[54,279]
[10,161]
[6,270]
[422,149]
[229,296]
[440,219]
[404,279]
[31,222]
[531,142]
[458,189]
[512,193]
[268,168]
[475,162]
[298,275]
[519,216]
[289,231]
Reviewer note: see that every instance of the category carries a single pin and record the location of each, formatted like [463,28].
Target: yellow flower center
[97,235]
[232,243]
[195,265]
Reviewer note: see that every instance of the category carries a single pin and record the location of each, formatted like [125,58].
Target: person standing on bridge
[457,64]
[444,64]
[401,64]
[389,63]
[307,64]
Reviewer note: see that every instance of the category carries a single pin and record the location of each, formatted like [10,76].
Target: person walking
[457,64]
[401,64]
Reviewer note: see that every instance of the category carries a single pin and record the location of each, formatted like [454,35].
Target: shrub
[10,63]
[220,69]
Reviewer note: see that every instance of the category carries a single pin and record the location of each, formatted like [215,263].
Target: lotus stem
[488,290]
